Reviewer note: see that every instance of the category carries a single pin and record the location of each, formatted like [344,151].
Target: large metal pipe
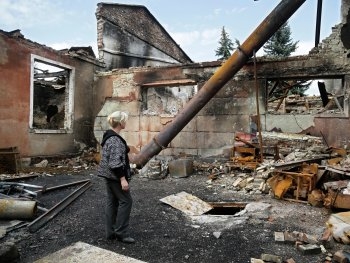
[17,209]
[282,12]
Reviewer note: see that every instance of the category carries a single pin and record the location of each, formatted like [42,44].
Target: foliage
[281,45]
[226,46]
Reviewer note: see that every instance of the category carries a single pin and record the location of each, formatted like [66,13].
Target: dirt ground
[165,234]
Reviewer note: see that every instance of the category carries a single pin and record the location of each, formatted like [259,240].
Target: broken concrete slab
[339,224]
[81,252]
[187,203]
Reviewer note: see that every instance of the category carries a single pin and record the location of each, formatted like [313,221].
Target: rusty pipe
[17,209]
[282,12]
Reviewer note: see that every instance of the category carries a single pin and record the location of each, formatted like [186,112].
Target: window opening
[167,100]
[306,96]
[52,96]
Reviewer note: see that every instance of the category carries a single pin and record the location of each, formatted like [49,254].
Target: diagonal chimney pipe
[282,12]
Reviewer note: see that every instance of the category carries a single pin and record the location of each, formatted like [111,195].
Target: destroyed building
[153,97]
[59,99]
[65,96]
[47,96]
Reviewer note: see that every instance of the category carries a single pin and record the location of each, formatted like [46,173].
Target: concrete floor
[81,252]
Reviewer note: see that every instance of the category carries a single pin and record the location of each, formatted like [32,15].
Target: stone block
[180,168]
[271,258]
[237,182]
[184,140]
[309,249]
[215,140]
[279,236]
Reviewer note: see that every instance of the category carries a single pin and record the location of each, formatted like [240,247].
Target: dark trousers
[118,208]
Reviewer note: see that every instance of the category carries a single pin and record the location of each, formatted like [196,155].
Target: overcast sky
[194,24]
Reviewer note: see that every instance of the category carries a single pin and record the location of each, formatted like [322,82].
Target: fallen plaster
[219,222]
[187,203]
[196,208]
[258,210]
[84,253]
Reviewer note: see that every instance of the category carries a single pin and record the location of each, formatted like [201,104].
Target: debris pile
[31,167]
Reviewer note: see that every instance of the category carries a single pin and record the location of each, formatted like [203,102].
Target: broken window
[323,97]
[51,96]
[166,100]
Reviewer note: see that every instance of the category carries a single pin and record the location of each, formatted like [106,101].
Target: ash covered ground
[165,234]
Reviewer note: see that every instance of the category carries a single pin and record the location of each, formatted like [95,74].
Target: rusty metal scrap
[338,194]
[244,156]
[19,189]
[300,183]
[335,199]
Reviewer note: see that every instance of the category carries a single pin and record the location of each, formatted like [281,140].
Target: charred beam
[62,73]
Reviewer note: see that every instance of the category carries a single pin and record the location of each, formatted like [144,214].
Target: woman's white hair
[117,117]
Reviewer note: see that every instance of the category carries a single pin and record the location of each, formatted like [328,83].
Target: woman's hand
[124,183]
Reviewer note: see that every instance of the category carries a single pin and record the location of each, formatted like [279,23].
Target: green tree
[281,45]
[225,46]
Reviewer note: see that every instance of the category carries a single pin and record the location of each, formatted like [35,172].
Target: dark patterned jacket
[114,160]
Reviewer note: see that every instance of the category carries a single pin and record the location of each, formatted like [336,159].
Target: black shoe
[112,237]
[128,240]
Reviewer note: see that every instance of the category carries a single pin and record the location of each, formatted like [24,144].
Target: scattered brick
[279,236]
[271,258]
[309,249]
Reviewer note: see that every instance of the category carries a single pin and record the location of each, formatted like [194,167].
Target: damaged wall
[329,61]
[123,43]
[27,101]
[233,108]
[210,133]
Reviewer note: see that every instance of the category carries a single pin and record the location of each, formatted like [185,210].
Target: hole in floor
[225,208]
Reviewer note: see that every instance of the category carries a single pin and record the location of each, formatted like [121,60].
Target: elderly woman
[115,169]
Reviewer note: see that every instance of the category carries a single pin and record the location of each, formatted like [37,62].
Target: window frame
[69,103]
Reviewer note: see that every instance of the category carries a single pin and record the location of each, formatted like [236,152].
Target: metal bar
[258,109]
[22,184]
[318,22]
[254,42]
[62,186]
[26,191]
[19,178]
[44,218]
